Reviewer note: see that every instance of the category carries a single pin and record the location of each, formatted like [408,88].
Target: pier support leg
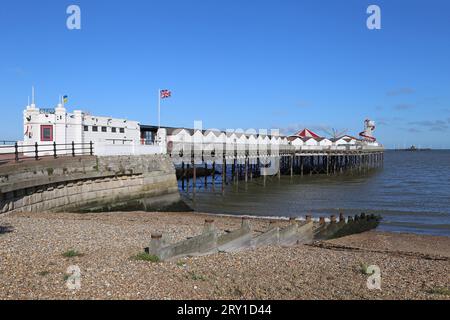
[183,173]
[213,176]
[188,178]
[206,176]
[301,166]
[246,169]
[292,165]
[328,164]
[224,174]
[280,163]
[194,178]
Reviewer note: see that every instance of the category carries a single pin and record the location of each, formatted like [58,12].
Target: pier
[76,160]
[244,163]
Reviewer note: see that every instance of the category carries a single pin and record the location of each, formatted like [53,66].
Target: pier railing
[15,152]
[219,149]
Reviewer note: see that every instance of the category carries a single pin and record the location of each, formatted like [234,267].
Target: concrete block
[155,245]
[305,233]
[267,238]
[209,226]
[289,235]
[200,245]
[236,240]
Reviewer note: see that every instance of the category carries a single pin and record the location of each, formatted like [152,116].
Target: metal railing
[147,142]
[6,142]
[17,152]
[236,149]
[119,141]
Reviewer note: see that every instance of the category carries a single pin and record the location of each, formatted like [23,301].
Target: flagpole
[159,108]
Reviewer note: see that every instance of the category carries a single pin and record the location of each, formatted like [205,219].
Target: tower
[60,130]
[31,121]
[367,134]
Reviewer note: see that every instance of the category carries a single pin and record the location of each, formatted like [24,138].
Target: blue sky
[235,64]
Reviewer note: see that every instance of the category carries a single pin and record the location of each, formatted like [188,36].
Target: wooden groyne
[298,231]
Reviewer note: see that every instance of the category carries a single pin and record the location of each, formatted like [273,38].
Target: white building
[310,142]
[296,141]
[345,140]
[324,142]
[110,136]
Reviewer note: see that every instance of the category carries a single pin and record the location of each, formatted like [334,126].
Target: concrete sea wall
[74,184]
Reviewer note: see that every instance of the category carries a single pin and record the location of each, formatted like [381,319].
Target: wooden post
[213,176]
[16,152]
[188,177]
[36,151]
[328,164]
[246,169]
[258,166]
[237,171]
[194,177]
[359,162]
[280,162]
[182,175]
[292,165]
[233,170]
[264,178]
[224,174]
[335,164]
[206,175]
[54,149]
[301,165]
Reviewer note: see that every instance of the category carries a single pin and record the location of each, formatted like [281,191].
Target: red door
[46,133]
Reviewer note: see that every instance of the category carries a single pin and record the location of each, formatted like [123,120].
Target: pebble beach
[34,263]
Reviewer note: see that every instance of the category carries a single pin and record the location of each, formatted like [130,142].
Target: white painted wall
[297,143]
[325,143]
[310,142]
[79,127]
[128,149]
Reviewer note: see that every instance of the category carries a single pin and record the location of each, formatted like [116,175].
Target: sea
[411,192]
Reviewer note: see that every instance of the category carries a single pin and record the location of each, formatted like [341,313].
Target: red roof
[306,133]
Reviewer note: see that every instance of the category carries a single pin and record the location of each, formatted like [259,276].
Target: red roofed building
[306,133]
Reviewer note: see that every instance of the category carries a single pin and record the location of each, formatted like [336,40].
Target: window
[113,130]
[95,128]
[103,129]
[122,130]
[86,128]
[47,133]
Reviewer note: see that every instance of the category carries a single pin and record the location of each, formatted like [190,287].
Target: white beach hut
[297,142]
[324,142]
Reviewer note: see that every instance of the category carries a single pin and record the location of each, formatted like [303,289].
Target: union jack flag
[165,94]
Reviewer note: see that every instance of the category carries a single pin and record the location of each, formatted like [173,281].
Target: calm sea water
[411,192]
